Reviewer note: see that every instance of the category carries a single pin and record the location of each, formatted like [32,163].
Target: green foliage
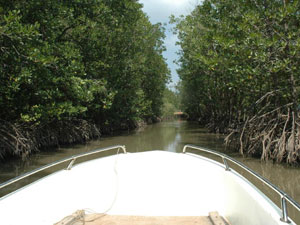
[233,53]
[171,103]
[240,73]
[95,60]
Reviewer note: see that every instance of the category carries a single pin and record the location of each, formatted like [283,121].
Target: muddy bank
[21,139]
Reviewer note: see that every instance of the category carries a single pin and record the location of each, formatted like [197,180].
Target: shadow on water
[168,136]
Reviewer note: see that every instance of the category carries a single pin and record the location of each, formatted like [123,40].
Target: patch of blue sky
[159,11]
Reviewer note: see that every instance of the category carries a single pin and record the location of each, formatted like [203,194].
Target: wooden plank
[148,220]
[80,217]
[216,219]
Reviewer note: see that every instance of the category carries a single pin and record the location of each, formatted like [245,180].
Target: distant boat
[181,115]
[145,188]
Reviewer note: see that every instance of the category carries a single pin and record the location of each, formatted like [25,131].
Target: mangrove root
[271,133]
[22,139]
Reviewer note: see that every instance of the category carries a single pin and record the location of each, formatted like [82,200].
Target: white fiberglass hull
[155,183]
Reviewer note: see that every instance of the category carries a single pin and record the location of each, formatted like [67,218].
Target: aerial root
[269,134]
[22,139]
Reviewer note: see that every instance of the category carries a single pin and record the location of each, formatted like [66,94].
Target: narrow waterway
[168,136]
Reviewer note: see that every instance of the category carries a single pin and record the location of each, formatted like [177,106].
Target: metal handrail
[72,159]
[284,196]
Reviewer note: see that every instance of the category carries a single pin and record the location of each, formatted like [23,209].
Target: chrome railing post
[123,148]
[226,164]
[284,217]
[71,164]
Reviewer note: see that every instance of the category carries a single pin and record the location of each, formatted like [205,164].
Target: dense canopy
[71,69]
[240,70]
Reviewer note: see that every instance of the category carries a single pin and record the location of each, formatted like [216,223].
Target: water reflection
[172,147]
[169,136]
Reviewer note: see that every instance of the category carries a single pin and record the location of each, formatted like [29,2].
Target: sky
[159,11]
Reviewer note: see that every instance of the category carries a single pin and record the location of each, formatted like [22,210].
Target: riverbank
[67,74]
[21,140]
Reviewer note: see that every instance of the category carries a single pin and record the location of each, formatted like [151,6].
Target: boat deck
[103,219]
[145,188]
